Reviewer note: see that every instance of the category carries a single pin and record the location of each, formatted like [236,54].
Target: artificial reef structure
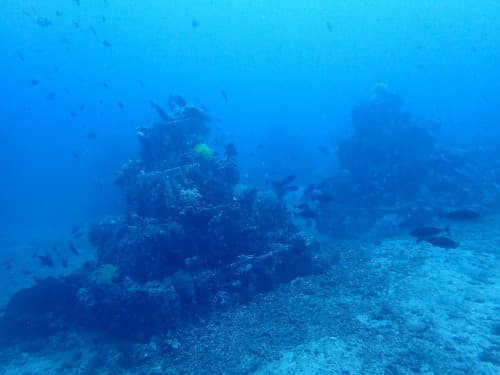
[192,240]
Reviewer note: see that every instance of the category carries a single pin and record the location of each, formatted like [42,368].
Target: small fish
[73,248]
[282,187]
[90,135]
[329,26]
[64,262]
[75,154]
[7,264]
[305,211]
[230,150]
[73,114]
[443,242]
[161,113]
[51,96]
[58,13]
[76,228]
[43,22]
[56,250]
[195,24]
[224,95]
[77,2]
[105,43]
[20,56]
[463,214]
[46,259]
[76,25]
[176,101]
[94,32]
[120,104]
[425,232]
[106,86]
[323,150]
[35,82]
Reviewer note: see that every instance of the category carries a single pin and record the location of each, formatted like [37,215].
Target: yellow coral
[105,274]
[203,150]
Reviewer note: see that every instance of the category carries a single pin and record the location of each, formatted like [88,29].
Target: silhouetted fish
[51,96]
[329,26]
[461,214]
[175,101]
[161,113]
[105,43]
[90,135]
[94,32]
[195,23]
[73,248]
[230,150]
[283,186]
[443,242]
[224,95]
[424,232]
[43,22]
[35,82]
[46,259]
[305,211]
[120,104]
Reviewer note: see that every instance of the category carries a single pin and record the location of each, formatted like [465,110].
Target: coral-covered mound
[192,239]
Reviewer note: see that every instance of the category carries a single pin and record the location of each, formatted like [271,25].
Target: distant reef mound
[193,239]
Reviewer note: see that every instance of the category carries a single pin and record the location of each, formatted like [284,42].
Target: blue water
[77,78]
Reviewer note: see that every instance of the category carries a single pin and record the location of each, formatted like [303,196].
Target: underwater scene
[250,187]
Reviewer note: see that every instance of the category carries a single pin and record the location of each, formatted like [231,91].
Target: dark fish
[443,242]
[20,56]
[75,154]
[230,150]
[90,135]
[161,113]
[106,86]
[46,259]
[175,101]
[43,22]
[105,43]
[282,187]
[73,114]
[305,211]
[64,262]
[224,95]
[35,82]
[82,107]
[58,13]
[195,23]
[77,2]
[76,24]
[329,26]
[51,96]
[323,150]
[56,250]
[73,248]
[120,104]
[425,232]
[461,214]
[287,180]
[76,228]
[94,32]
[7,264]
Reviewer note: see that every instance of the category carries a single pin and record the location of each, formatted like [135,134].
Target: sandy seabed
[394,307]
